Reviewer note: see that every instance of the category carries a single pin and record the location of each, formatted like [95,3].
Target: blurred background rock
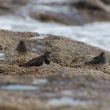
[64,11]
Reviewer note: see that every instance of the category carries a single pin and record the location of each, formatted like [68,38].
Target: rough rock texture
[66,77]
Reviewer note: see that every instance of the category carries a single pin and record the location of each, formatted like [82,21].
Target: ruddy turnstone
[100,59]
[1,47]
[40,61]
[21,47]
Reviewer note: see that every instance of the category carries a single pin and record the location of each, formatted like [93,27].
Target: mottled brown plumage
[100,59]
[21,47]
[38,61]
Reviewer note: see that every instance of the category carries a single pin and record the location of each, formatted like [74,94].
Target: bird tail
[88,63]
[23,65]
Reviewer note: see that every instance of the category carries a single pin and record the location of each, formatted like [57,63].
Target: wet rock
[20,2]
[76,12]
[93,10]
[106,1]
[9,6]
[61,14]
[71,12]
[101,5]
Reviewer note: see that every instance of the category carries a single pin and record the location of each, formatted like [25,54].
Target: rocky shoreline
[69,12]
[84,85]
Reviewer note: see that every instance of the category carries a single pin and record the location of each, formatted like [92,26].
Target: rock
[106,1]
[93,10]
[68,12]
[74,54]
[100,5]
[66,78]
[61,14]
[71,12]
[10,6]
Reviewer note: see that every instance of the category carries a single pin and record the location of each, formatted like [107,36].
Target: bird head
[102,53]
[21,42]
[47,54]
[21,47]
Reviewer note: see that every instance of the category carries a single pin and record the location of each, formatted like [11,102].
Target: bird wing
[96,59]
[34,62]
[93,61]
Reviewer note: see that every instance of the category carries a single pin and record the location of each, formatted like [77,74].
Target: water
[68,101]
[96,34]
[39,81]
[2,56]
[36,84]
[67,92]
[18,87]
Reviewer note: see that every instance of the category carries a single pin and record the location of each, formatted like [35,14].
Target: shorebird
[1,47]
[100,59]
[39,61]
[21,47]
